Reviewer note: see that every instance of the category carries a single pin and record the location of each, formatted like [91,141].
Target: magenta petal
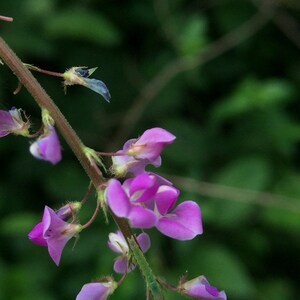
[166,198]
[156,135]
[143,188]
[94,291]
[117,199]
[36,235]
[141,217]
[184,223]
[143,240]
[154,140]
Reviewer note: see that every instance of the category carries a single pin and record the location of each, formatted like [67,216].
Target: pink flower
[47,147]
[97,290]
[148,201]
[142,151]
[118,244]
[12,122]
[200,288]
[54,233]
[130,200]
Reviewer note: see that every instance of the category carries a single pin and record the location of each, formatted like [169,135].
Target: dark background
[224,77]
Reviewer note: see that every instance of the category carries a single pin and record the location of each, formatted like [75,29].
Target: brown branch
[230,193]
[183,64]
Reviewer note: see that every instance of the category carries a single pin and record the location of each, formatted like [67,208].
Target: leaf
[252,94]
[193,37]
[85,26]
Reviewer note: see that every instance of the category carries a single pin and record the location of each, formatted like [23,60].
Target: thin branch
[223,192]
[289,26]
[183,64]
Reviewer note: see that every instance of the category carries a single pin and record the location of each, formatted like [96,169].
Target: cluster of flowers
[145,199]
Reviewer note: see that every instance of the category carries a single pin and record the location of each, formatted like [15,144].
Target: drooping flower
[118,244]
[47,146]
[79,75]
[200,288]
[142,151]
[12,122]
[53,233]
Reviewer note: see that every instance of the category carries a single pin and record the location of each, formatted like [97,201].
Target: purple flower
[133,200]
[142,151]
[54,233]
[47,147]
[97,290]
[12,122]
[148,201]
[200,288]
[118,244]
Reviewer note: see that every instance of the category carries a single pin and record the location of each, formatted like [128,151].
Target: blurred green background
[224,77]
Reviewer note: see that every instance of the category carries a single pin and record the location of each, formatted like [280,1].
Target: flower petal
[143,188]
[94,291]
[56,247]
[166,198]
[98,86]
[143,240]
[36,235]
[141,217]
[7,123]
[184,223]
[120,265]
[200,288]
[117,199]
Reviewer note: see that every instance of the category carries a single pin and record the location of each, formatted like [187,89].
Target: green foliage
[236,119]
[84,26]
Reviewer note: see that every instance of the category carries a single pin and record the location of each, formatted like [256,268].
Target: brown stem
[94,216]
